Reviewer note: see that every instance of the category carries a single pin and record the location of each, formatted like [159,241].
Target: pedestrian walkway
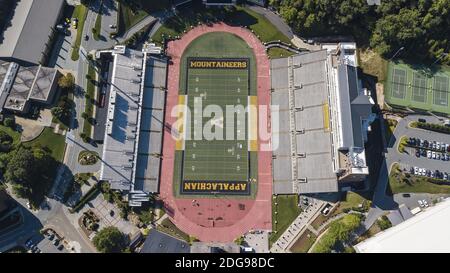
[302,221]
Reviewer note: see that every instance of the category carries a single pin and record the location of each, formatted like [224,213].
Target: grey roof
[43,83]
[354,106]
[405,212]
[30,29]
[120,138]
[158,242]
[309,145]
[133,139]
[4,66]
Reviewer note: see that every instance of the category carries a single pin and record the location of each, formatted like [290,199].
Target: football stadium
[216,182]
[225,162]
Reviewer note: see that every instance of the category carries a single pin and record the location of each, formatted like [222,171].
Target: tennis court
[441,90]
[399,83]
[418,87]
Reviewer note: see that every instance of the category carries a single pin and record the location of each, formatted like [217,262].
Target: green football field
[224,160]
[418,87]
[216,160]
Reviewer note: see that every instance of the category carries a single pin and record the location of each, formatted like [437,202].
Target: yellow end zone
[326,117]
[253,124]
[179,146]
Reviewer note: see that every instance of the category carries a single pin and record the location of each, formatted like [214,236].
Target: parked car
[429,154]
[421,203]
[425,203]
[29,243]
[75,23]
[422,120]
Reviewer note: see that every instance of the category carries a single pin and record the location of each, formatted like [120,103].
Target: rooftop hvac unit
[300,108]
[303,180]
[301,131]
[137,68]
[301,155]
[300,86]
[299,65]
[131,137]
[136,80]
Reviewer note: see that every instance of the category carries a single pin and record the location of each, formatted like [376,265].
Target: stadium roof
[31,25]
[428,231]
[134,127]
[308,143]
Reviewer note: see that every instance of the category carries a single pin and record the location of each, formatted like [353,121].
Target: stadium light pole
[398,51]
[440,57]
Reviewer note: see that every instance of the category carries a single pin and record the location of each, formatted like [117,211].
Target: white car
[438,145]
[434,155]
[424,171]
[416,170]
[421,203]
[425,203]
[429,154]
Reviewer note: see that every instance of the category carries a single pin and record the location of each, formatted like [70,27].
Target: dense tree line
[420,26]
[30,172]
[6,7]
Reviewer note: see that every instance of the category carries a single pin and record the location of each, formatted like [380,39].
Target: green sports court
[418,87]
[212,76]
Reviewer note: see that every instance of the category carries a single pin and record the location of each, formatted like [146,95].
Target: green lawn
[54,142]
[80,12]
[14,134]
[128,18]
[304,242]
[130,15]
[283,213]
[193,14]
[89,108]
[96,31]
[372,64]
[168,227]
[351,200]
[400,182]
[276,52]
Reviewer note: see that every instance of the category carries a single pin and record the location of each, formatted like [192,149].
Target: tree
[384,223]
[110,240]
[397,30]
[67,81]
[9,122]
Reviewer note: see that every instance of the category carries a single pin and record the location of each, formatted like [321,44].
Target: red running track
[218,219]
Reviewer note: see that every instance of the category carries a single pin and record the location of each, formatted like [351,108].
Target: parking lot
[431,158]
[49,242]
